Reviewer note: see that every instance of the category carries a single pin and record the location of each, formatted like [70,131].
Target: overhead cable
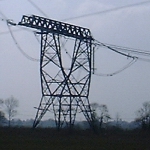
[117,50]
[6,32]
[91,14]
[130,50]
[144,59]
[33,4]
[107,11]
[113,49]
[11,23]
[118,71]
[19,47]
[125,51]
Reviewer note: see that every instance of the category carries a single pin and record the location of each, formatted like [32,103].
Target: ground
[51,139]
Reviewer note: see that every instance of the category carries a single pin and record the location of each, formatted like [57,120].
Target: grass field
[50,139]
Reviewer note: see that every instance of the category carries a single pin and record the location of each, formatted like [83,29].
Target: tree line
[100,113]
[143,116]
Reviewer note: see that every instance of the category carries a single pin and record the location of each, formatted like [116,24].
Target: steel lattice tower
[63,90]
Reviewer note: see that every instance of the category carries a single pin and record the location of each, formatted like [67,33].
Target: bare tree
[2,118]
[100,113]
[143,115]
[11,105]
[2,115]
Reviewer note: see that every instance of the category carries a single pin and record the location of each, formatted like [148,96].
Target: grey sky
[123,93]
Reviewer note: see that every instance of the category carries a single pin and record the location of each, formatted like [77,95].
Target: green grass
[50,139]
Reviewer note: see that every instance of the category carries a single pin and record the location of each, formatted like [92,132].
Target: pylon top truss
[52,26]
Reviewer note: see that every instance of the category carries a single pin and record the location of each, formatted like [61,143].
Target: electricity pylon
[65,90]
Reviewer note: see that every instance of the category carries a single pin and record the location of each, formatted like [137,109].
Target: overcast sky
[123,93]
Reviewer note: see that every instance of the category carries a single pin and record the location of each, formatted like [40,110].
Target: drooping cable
[113,49]
[4,19]
[9,23]
[127,51]
[130,50]
[16,30]
[118,49]
[121,50]
[118,71]
[138,54]
[134,59]
[19,47]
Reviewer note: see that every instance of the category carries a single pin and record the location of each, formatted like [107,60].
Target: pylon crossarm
[52,26]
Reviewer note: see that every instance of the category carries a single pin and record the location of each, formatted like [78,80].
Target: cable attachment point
[10,22]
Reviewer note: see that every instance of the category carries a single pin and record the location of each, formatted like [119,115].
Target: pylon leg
[64,90]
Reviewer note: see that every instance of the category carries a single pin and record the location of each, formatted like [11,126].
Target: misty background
[123,93]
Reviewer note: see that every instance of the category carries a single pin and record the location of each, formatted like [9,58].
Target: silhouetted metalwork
[65,73]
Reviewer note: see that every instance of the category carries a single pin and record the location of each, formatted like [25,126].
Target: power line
[113,49]
[116,49]
[10,22]
[125,51]
[144,59]
[118,71]
[17,30]
[91,14]
[106,11]
[19,47]
[40,10]
[88,15]
[6,32]
[132,50]
[5,18]
[119,49]
[128,55]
